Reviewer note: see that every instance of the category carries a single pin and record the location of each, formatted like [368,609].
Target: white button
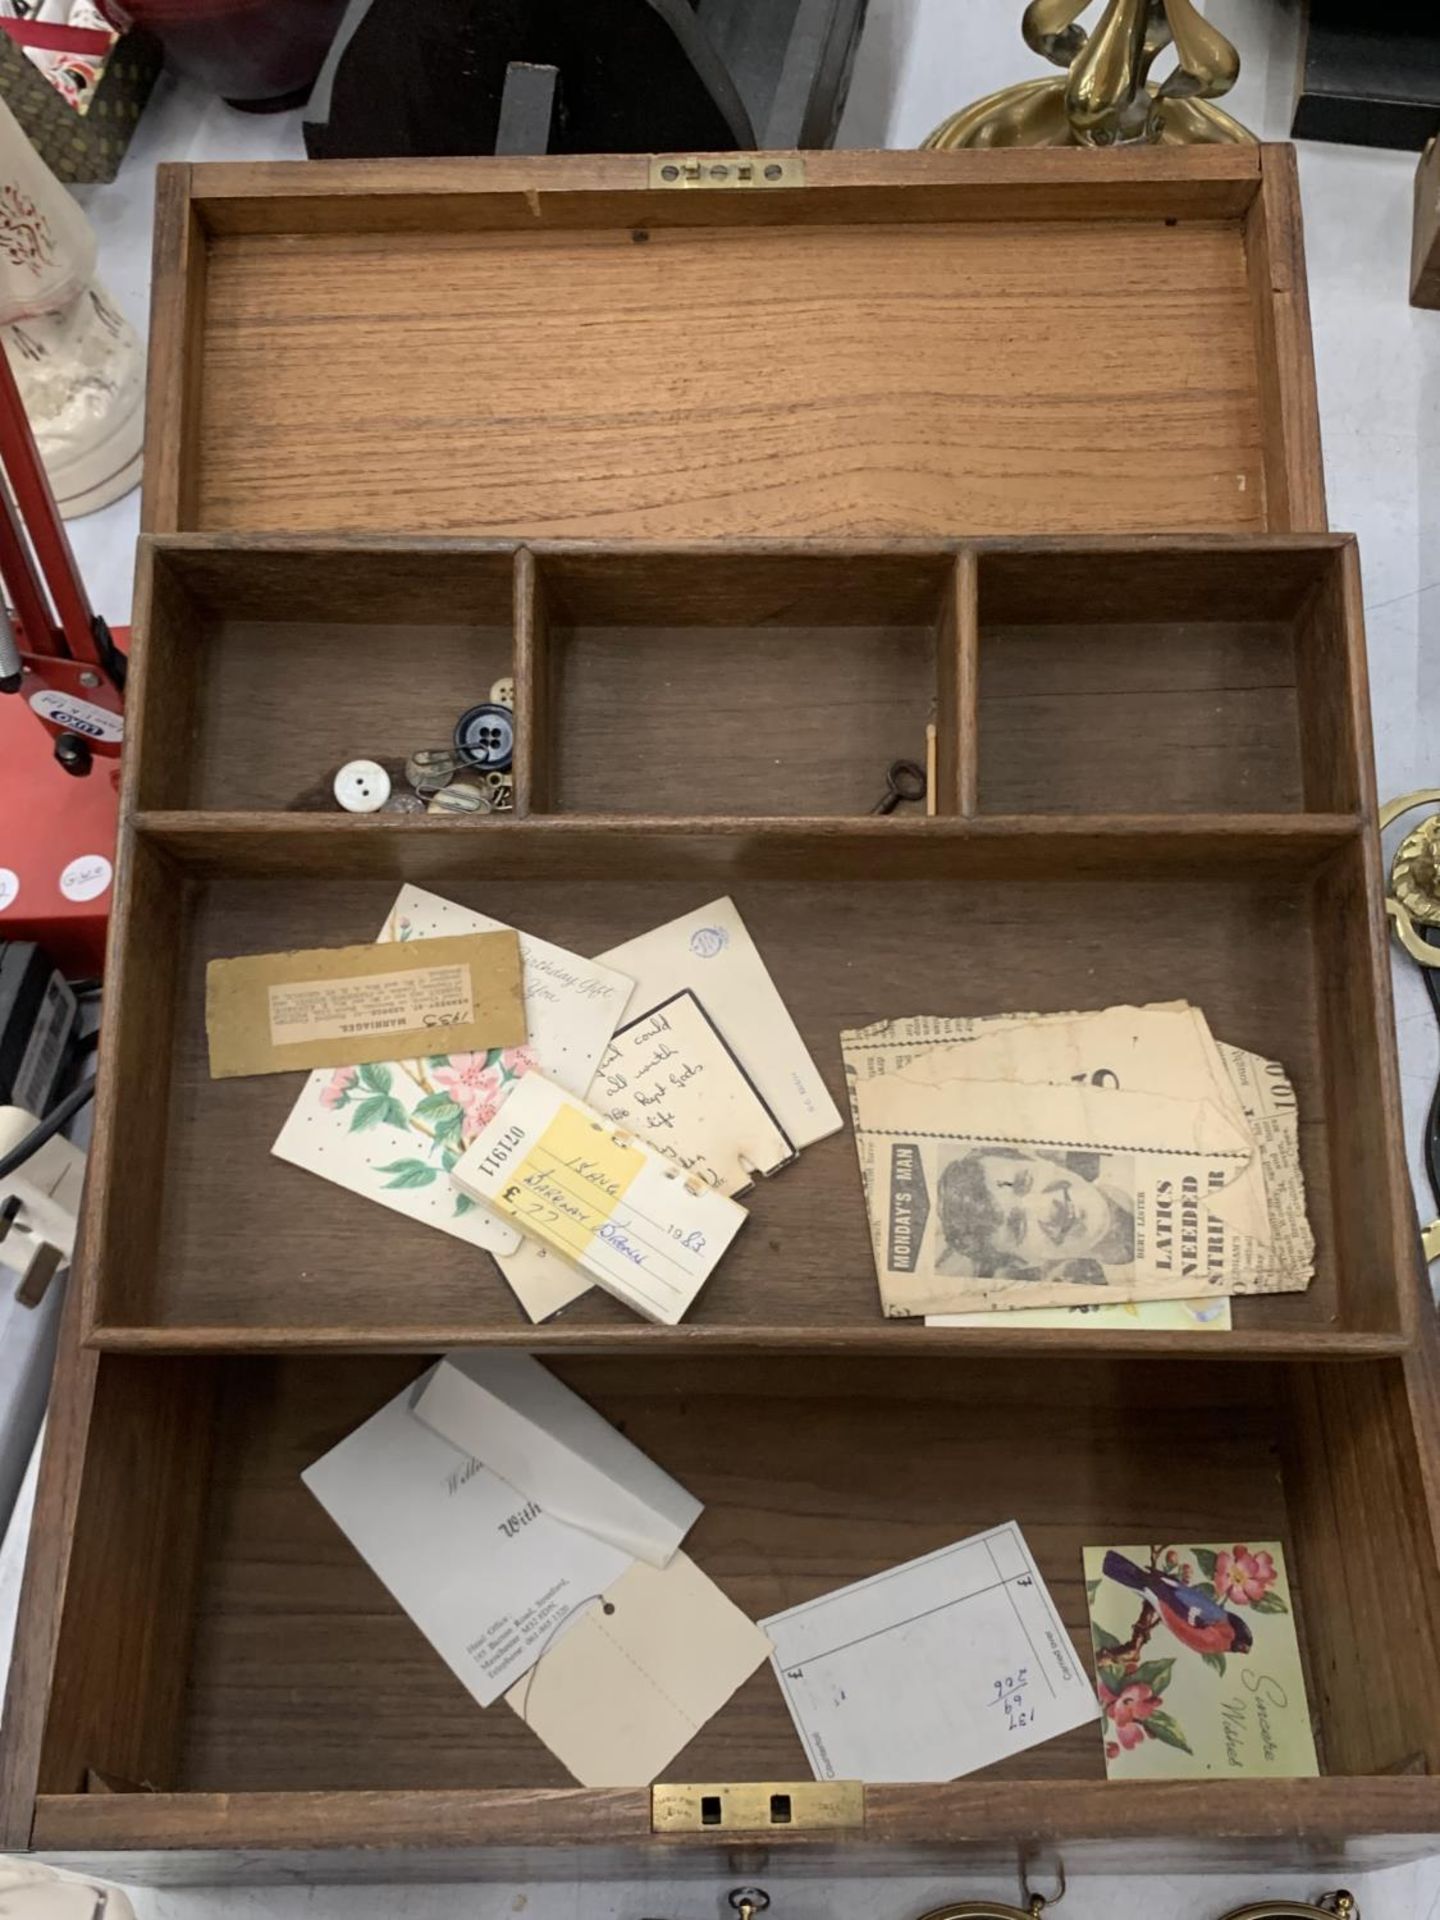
[362,786]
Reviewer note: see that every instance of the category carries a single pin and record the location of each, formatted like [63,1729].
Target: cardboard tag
[710,952]
[351,1006]
[639,1673]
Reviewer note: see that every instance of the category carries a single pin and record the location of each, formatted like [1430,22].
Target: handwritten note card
[933,1669]
[670,1078]
[710,951]
[599,1198]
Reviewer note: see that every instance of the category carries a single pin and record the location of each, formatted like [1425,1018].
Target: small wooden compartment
[271,669]
[773,684]
[222,1647]
[1155,681]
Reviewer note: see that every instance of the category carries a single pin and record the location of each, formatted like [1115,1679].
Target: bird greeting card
[1197,1662]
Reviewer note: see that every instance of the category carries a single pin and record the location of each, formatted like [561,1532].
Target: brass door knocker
[1328,1907]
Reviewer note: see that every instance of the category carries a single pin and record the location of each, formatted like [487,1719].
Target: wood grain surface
[842,951]
[727,381]
[870,316]
[406,196]
[1285,351]
[304,1676]
[1193,717]
[1345,1826]
[807,1485]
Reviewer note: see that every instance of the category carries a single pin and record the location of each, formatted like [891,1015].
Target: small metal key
[904,780]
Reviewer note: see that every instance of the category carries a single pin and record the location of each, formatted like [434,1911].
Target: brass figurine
[1415,876]
[1106,97]
[1413,905]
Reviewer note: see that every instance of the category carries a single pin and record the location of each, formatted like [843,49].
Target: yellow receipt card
[599,1198]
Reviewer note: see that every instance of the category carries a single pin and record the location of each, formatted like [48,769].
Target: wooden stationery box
[746,488]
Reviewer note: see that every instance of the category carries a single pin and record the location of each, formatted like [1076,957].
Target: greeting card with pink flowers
[1197,1662]
[392,1131]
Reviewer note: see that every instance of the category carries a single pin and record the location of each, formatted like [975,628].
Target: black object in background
[584,76]
[1369,73]
[428,77]
[37,1024]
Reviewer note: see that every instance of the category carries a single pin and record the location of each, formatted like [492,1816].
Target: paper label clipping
[377,1003]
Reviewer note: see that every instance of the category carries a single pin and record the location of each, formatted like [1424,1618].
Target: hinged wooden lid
[905,344]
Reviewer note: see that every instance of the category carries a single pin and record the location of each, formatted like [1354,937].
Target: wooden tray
[907,344]
[704,722]
[215,1638]
[737,507]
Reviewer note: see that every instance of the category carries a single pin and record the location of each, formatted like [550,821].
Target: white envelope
[711,953]
[491,1580]
[527,1426]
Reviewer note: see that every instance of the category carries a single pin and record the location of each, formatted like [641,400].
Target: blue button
[485,736]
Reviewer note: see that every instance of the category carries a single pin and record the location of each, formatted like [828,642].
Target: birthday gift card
[392,1130]
[1197,1663]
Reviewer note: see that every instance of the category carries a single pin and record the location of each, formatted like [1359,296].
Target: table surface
[1378,367]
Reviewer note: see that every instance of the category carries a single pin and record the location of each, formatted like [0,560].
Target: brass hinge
[727,170]
[758,1806]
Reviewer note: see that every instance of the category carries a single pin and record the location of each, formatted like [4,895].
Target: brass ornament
[987,1910]
[1413,902]
[1415,872]
[1106,97]
[1415,875]
[1331,1906]
[1035,1905]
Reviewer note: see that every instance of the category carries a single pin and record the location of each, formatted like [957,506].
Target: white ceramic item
[32,1892]
[77,360]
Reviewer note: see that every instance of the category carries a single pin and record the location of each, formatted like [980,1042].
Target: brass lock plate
[727,170]
[758,1806]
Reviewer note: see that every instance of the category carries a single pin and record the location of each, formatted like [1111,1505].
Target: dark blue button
[485,736]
